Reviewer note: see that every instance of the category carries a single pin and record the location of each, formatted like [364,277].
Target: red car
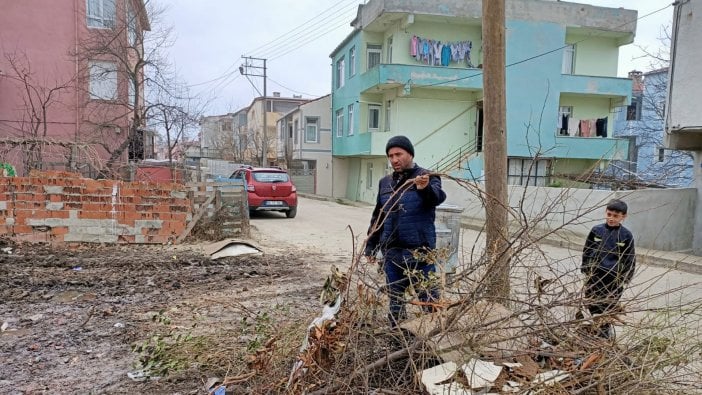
[270,189]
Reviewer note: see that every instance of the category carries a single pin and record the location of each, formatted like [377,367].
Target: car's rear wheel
[291,213]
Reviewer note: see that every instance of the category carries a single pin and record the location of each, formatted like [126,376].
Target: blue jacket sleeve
[433,195]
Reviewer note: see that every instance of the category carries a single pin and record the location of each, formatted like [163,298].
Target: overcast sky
[297,36]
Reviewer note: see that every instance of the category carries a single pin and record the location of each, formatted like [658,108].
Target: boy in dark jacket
[609,261]
[402,225]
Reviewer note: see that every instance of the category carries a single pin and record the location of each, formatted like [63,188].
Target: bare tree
[124,53]
[175,117]
[36,116]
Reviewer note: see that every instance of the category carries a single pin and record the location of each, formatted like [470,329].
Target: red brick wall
[62,207]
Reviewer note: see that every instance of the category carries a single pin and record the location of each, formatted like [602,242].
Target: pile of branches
[542,326]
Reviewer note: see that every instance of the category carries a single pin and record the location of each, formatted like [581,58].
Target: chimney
[276,94]
[637,77]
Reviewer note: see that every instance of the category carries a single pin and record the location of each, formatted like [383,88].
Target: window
[661,154]
[131,92]
[103,80]
[369,175]
[388,57]
[352,61]
[351,126]
[373,117]
[373,55]
[311,135]
[340,73]
[339,123]
[227,126]
[568,59]
[388,114]
[633,110]
[526,171]
[131,26]
[101,13]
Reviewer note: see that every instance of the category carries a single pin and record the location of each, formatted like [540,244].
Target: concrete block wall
[59,207]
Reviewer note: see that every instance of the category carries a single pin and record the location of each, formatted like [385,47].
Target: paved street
[323,228]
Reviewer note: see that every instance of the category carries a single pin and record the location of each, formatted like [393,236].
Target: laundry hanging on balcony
[583,127]
[436,53]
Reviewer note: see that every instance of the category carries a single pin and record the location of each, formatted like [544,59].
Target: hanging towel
[601,127]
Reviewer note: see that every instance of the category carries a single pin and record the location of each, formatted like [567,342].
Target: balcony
[595,148]
[388,76]
[613,87]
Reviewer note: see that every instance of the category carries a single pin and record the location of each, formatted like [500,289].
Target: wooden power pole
[495,148]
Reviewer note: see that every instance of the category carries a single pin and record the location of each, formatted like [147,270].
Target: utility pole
[244,70]
[497,232]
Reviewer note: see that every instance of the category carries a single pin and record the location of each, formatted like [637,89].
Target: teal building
[415,68]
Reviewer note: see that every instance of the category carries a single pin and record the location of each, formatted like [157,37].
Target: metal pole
[264,154]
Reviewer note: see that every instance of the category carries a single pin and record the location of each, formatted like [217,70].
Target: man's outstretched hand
[421,181]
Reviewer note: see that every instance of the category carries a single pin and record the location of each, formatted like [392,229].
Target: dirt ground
[70,316]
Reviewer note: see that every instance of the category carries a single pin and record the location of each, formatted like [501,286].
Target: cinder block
[153,223]
[54,206]
[179,194]
[56,190]
[3,206]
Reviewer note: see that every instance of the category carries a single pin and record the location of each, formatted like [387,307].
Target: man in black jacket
[609,261]
[402,226]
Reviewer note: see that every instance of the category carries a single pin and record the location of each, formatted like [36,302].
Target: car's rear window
[262,176]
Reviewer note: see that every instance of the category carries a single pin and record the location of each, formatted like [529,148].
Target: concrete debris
[503,333]
[551,377]
[481,374]
[231,247]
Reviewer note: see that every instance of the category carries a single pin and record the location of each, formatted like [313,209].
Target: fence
[224,204]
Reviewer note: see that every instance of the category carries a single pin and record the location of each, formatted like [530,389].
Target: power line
[277,41]
[308,34]
[290,89]
[287,35]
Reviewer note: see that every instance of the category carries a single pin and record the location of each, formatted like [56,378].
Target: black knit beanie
[401,142]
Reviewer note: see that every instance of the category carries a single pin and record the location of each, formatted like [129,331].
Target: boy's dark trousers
[603,289]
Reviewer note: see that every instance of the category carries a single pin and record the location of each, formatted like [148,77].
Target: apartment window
[339,123]
[526,171]
[101,13]
[352,61]
[131,92]
[388,56]
[131,26]
[568,59]
[350,115]
[373,55]
[661,154]
[340,72]
[633,110]
[373,117]
[311,130]
[227,126]
[369,175]
[103,80]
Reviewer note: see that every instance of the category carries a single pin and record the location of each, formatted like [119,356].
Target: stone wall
[61,207]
